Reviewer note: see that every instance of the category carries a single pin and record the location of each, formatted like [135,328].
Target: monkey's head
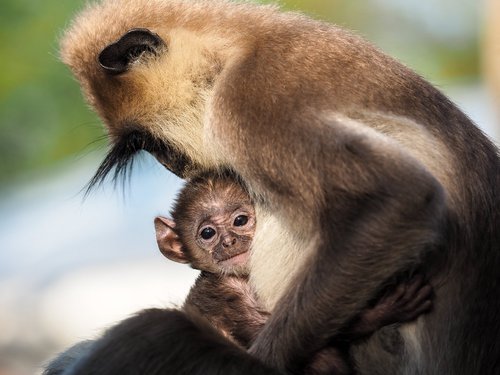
[149,67]
[213,226]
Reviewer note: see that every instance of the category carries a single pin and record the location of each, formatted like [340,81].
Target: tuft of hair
[119,159]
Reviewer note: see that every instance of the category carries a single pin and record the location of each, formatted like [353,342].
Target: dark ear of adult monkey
[360,171]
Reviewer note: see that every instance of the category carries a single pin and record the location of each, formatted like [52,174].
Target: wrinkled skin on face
[226,233]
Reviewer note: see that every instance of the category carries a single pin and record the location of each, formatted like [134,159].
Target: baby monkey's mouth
[239,259]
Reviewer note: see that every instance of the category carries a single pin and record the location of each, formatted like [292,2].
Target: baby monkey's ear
[168,240]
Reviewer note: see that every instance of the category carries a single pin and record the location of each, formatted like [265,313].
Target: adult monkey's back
[360,169]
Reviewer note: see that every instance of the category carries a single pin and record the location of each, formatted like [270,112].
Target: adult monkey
[359,169]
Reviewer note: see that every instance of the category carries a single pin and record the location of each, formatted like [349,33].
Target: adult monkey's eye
[240,220]
[207,233]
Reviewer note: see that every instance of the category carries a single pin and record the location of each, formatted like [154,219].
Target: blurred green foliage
[43,118]
[42,115]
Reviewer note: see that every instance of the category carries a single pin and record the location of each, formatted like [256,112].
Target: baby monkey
[212,229]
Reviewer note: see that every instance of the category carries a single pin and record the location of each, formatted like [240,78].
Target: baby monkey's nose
[229,241]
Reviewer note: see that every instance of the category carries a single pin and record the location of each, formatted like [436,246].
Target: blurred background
[69,266]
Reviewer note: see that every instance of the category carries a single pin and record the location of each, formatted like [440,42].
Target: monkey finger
[412,287]
[424,295]
[425,307]
[392,296]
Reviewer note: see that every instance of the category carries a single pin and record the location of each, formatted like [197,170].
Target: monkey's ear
[117,57]
[168,241]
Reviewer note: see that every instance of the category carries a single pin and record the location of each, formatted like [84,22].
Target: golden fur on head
[170,91]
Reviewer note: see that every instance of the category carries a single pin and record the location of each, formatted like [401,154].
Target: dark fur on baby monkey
[212,230]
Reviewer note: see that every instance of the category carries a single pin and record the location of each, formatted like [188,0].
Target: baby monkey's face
[213,227]
[225,232]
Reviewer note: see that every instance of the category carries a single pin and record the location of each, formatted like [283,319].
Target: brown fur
[223,295]
[328,132]
[229,304]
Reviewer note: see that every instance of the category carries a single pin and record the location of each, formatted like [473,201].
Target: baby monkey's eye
[240,220]
[207,233]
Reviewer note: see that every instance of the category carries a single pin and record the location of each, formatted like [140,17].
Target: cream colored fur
[278,256]
[412,338]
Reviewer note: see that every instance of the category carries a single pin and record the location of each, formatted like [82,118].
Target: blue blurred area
[70,266]
[46,223]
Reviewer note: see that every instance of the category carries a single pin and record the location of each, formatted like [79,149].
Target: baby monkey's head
[212,227]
